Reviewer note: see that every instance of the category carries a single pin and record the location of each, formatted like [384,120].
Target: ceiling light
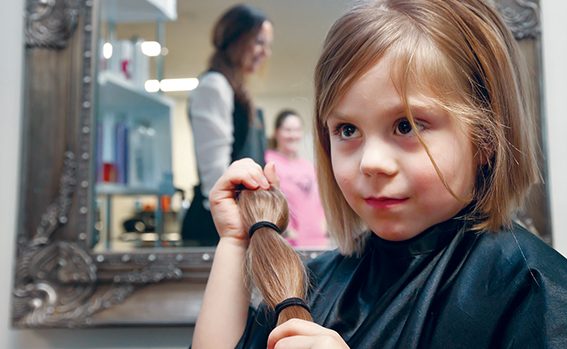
[151,48]
[151,85]
[107,50]
[172,85]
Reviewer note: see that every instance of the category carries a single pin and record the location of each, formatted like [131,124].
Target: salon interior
[101,211]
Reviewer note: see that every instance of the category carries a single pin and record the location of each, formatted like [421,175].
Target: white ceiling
[300,27]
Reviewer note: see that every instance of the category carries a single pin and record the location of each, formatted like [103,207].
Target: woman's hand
[222,198]
[301,334]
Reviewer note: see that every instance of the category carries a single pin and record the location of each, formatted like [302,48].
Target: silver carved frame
[59,281]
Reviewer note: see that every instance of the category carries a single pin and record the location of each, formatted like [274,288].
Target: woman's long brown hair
[273,266]
[232,32]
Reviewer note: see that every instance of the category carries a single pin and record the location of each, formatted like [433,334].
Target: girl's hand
[222,198]
[301,334]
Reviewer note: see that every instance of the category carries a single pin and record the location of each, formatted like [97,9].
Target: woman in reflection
[226,126]
[298,182]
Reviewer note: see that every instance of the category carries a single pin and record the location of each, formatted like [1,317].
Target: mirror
[144,155]
[66,275]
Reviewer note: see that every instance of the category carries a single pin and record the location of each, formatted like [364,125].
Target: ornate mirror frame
[59,281]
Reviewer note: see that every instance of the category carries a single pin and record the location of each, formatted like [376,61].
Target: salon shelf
[134,127]
[121,101]
[119,94]
[121,189]
[145,121]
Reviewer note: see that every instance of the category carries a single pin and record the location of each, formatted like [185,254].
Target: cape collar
[430,240]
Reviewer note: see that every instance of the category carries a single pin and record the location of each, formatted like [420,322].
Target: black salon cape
[446,288]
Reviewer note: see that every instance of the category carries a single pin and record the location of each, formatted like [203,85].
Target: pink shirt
[299,185]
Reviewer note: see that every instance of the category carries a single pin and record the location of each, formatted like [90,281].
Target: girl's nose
[378,159]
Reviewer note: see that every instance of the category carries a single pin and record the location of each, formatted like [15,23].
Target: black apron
[198,228]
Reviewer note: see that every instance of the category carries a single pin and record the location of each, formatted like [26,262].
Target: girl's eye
[346,131]
[403,126]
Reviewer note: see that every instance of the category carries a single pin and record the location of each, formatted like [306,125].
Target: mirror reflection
[154,62]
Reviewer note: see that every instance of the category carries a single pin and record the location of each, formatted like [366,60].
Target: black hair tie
[263,224]
[288,303]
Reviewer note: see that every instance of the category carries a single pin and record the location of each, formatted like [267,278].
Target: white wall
[10,69]
[11,16]
[555,66]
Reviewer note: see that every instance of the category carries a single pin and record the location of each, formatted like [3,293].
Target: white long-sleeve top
[211,107]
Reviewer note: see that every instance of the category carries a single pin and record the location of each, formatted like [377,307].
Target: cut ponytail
[272,265]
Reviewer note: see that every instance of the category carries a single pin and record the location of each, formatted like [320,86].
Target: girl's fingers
[291,328]
[243,172]
[247,173]
[296,342]
[297,327]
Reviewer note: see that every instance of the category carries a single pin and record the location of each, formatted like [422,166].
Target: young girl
[425,149]
[298,182]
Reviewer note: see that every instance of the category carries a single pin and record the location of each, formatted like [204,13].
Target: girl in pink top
[298,182]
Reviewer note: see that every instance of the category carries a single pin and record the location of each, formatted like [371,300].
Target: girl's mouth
[384,202]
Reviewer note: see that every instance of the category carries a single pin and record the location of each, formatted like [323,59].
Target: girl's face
[383,170]
[289,134]
[259,49]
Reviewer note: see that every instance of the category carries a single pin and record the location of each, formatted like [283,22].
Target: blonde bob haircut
[461,53]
